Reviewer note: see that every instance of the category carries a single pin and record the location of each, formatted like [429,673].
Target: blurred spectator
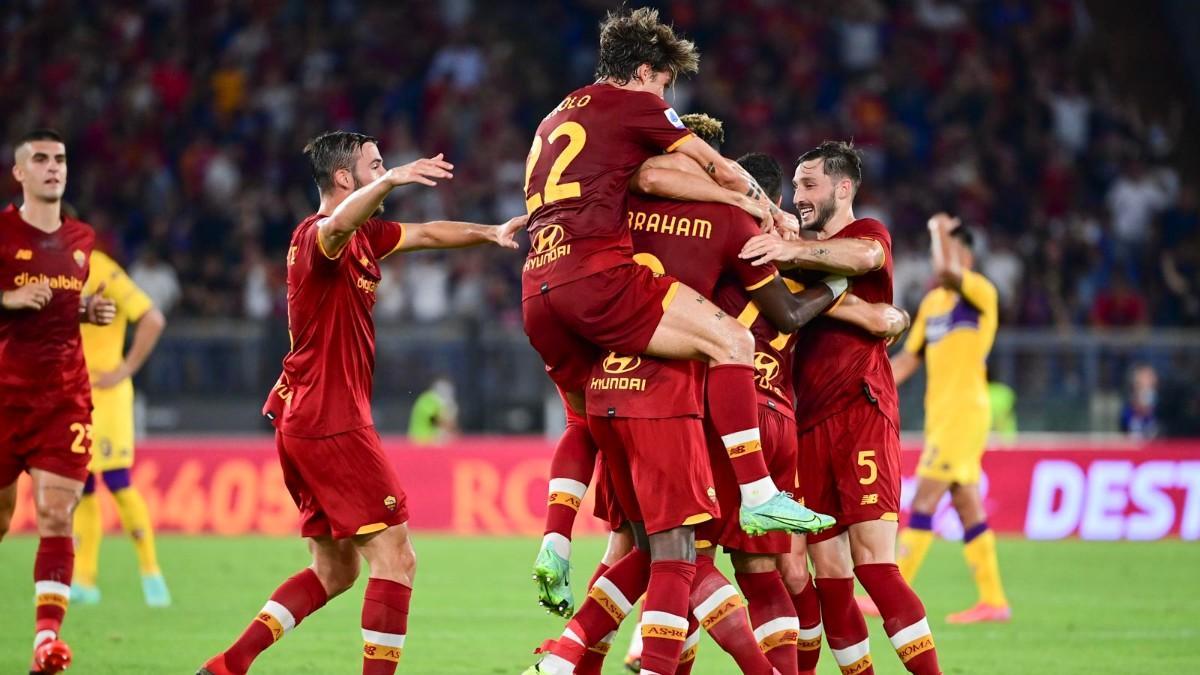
[1138,418]
[1119,306]
[156,278]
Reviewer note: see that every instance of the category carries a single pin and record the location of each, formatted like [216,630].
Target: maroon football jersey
[325,387]
[577,176]
[41,353]
[773,350]
[837,363]
[698,244]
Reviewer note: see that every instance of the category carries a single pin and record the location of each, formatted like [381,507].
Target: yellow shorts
[954,454]
[112,429]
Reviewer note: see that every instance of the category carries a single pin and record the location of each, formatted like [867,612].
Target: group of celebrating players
[712,359]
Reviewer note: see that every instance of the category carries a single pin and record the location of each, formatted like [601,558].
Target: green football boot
[552,574]
[781,512]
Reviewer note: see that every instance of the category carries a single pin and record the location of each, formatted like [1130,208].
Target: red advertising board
[494,485]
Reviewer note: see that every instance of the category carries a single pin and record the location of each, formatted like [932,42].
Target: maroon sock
[721,612]
[570,472]
[295,599]
[773,617]
[845,627]
[664,615]
[808,611]
[608,602]
[593,658]
[733,411]
[52,569]
[687,658]
[384,625]
[903,616]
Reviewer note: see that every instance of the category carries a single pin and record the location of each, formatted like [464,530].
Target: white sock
[555,665]
[758,492]
[562,545]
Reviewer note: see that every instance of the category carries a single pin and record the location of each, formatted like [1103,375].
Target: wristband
[836,284]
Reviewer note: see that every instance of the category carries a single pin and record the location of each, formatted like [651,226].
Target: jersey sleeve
[915,344]
[307,248]
[383,236]
[982,295]
[740,228]
[875,231]
[655,124]
[131,300]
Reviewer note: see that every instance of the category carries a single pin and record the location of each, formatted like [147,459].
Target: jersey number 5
[866,458]
[554,190]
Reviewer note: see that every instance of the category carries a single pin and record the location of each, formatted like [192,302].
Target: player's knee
[737,345]
[54,520]
[795,575]
[750,563]
[675,544]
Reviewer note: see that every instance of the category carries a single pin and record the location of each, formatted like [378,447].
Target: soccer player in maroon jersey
[646,416]
[582,295]
[45,396]
[349,498]
[848,419]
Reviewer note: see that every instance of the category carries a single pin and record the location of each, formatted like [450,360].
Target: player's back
[577,175]
[955,332]
[41,354]
[837,363]
[325,388]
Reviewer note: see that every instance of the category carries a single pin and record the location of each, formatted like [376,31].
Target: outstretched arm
[454,234]
[847,257]
[335,231]
[788,311]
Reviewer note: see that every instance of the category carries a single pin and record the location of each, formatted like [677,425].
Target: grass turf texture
[1080,607]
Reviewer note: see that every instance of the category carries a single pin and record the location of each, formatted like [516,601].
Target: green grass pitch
[1080,607]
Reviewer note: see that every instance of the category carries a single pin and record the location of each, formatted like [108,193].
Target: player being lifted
[45,398]
[952,334]
[112,371]
[848,420]
[350,501]
[646,415]
[582,294]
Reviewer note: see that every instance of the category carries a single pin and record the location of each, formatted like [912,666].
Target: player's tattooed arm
[454,234]
[877,318]
[848,257]
[728,174]
[675,176]
[336,230]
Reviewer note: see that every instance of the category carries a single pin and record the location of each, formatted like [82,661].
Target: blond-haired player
[111,371]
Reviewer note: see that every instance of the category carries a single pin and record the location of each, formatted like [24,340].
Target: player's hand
[422,171]
[758,210]
[943,222]
[506,234]
[30,296]
[786,225]
[763,249]
[900,321]
[97,309]
[112,378]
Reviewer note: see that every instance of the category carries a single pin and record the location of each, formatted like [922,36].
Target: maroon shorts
[659,469]
[57,439]
[850,468]
[606,507]
[342,484]
[778,432]
[616,310]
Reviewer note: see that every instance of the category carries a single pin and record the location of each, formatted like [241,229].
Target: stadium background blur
[1030,119]
[1068,131]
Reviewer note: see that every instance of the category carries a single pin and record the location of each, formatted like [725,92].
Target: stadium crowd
[186,138]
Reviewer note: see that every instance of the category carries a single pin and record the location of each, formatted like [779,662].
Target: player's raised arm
[454,234]
[363,203]
[947,267]
[674,176]
[847,257]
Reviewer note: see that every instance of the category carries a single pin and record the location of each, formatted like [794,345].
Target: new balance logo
[872,498]
[24,254]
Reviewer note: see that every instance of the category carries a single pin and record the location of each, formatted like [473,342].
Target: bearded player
[350,500]
[45,398]
[848,420]
[952,335]
[582,294]
[646,416]
[112,371]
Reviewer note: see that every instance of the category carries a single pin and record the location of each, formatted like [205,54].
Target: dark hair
[331,151]
[40,135]
[706,127]
[629,40]
[842,160]
[764,169]
[967,235]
